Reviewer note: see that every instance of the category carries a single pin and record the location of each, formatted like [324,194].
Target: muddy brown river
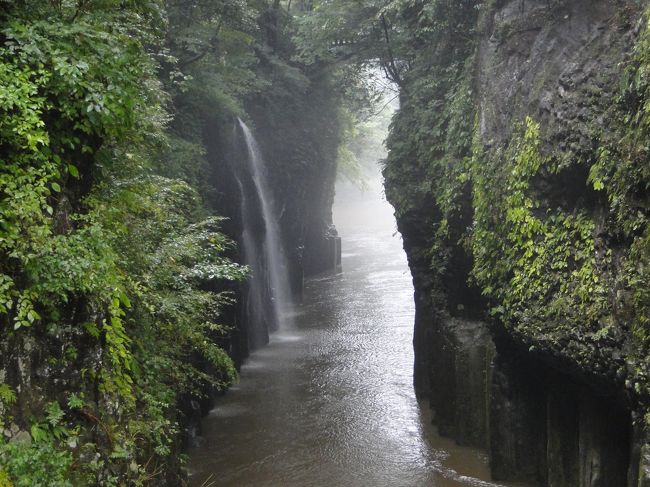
[330,402]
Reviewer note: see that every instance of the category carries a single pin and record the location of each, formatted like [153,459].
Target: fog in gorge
[202,281]
[330,400]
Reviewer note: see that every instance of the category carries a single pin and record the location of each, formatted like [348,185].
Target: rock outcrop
[519,176]
[298,144]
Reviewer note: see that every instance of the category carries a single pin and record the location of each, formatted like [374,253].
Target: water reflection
[330,401]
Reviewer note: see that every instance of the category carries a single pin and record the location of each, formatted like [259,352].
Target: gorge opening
[330,400]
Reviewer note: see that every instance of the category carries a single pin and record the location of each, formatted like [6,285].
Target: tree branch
[390,69]
[212,45]
[192,59]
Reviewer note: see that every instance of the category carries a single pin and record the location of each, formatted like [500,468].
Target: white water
[255,294]
[273,250]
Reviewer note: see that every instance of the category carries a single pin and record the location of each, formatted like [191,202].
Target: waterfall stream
[269,268]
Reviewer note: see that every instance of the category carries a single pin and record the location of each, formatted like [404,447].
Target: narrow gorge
[289,243]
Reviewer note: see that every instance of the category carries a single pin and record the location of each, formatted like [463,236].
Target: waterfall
[269,268]
[255,292]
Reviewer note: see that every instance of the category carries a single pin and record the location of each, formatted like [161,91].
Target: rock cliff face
[298,144]
[519,176]
[299,136]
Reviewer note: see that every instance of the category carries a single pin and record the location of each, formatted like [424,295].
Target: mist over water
[330,401]
[273,260]
[253,258]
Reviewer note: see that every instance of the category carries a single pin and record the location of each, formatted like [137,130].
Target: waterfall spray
[273,251]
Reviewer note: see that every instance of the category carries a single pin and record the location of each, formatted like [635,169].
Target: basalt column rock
[517,426]
[551,378]
[604,444]
[562,444]
[412,225]
[461,352]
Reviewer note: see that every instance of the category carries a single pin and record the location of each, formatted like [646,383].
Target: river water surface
[330,402]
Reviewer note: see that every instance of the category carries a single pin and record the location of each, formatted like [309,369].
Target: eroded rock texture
[519,177]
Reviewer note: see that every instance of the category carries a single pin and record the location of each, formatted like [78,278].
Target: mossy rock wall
[519,173]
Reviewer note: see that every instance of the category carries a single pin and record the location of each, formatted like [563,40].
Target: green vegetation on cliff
[567,273]
[116,275]
[529,210]
[539,205]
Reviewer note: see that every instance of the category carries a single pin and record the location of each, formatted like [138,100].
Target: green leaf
[74,172]
[91,328]
[54,413]
[75,401]
[7,394]
[38,433]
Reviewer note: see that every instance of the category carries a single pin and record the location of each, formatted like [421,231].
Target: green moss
[538,263]
[554,274]
[557,238]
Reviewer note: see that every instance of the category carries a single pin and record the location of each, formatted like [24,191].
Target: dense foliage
[113,271]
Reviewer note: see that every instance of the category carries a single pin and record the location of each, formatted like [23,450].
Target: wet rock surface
[548,402]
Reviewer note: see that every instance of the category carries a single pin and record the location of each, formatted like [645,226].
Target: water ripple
[330,402]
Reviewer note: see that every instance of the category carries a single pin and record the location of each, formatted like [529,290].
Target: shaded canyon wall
[516,170]
[297,130]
